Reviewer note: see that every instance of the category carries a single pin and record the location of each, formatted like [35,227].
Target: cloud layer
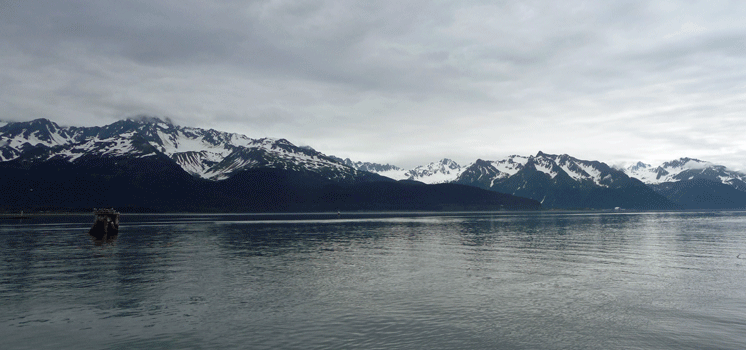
[391,81]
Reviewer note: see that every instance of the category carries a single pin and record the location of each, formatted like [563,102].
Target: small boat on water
[106,224]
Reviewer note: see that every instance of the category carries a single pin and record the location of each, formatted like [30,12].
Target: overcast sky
[400,82]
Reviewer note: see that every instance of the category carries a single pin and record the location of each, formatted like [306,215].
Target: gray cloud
[391,81]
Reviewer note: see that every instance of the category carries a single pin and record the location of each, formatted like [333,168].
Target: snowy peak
[446,170]
[481,173]
[170,138]
[683,169]
[686,163]
[559,181]
[543,164]
[511,165]
[581,171]
[387,170]
[667,172]
[34,133]
[217,155]
[487,174]
[637,167]
[370,167]
[442,171]
[16,138]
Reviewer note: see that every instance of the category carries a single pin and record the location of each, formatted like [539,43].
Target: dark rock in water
[106,225]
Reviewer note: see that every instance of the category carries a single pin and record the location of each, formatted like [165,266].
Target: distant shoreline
[40,214]
[21,215]
[27,214]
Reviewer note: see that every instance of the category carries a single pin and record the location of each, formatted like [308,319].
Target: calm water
[430,281]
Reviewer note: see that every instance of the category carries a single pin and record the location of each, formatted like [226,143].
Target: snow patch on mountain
[47,134]
[590,173]
[545,166]
[396,174]
[387,170]
[579,170]
[645,173]
[198,162]
[511,165]
[110,147]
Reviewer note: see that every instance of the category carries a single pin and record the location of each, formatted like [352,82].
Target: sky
[399,82]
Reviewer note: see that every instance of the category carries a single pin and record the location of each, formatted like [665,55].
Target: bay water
[503,280]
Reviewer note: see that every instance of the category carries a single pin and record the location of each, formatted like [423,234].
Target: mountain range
[556,181]
[562,181]
[152,164]
[148,164]
[207,154]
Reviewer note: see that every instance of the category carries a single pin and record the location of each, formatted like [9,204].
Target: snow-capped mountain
[557,181]
[209,154]
[562,181]
[582,171]
[15,138]
[147,164]
[387,170]
[484,173]
[684,169]
[489,173]
[442,171]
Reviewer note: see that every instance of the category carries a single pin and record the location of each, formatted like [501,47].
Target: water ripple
[378,281]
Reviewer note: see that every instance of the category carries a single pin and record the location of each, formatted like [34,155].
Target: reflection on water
[438,281]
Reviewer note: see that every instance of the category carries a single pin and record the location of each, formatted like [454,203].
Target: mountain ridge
[206,153]
[153,165]
[555,180]
[590,177]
